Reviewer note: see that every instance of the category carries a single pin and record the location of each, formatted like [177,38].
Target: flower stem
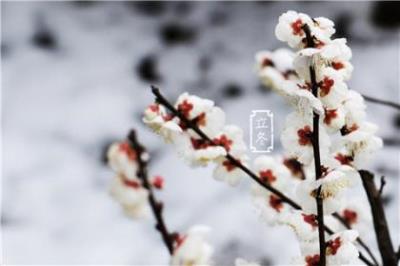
[156,206]
[190,124]
[317,158]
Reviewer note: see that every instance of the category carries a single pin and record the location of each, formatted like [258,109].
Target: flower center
[267,62]
[344,159]
[297,27]
[312,260]
[329,116]
[350,216]
[228,165]
[337,65]
[347,130]
[131,183]
[185,107]
[224,142]
[326,86]
[276,203]
[311,219]
[198,144]
[295,167]
[332,246]
[200,120]
[267,176]
[304,135]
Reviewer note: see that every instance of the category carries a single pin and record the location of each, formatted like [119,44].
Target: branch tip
[383,183]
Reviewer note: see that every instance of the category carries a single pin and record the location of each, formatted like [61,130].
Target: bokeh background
[75,77]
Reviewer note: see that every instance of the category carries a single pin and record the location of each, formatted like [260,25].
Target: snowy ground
[70,86]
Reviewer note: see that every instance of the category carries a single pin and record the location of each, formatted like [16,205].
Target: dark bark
[317,158]
[382,102]
[388,254]
[156,206]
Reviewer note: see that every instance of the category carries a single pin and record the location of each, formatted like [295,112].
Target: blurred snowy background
[75,77]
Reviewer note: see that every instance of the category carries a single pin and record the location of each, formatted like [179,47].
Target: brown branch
[190,124]
[317,158]
[156,206]
[382,102]
[388,254]
[398,253]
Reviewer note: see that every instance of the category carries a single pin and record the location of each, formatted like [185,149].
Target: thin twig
[388,254]
[156,206]
[383,183]
[190,124]
[383,102]
[317,158]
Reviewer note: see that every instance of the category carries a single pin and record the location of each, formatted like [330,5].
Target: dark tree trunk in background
[388,254]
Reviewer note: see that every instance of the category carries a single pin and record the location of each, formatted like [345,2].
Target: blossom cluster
[195,150]
[128,190]
[126,187]
[312,78]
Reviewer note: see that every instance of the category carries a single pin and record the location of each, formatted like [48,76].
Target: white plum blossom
[281,59]
[357,145]
[271,171]
[332,88]
[132,196]
[198,152]
[356,214]
[289,28]
[340,250]
[192,106]
[209,118]
[228,172]
[192,249]
[164,124]
[338,55]
[296,138]
[123,159]
[361,145]
[277,175]
[335,54]
[301,98]
[194,148]
[126,188]
[275,67]
[305,225]
[333,185]
[334,119]
[355,109]
[322,28]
